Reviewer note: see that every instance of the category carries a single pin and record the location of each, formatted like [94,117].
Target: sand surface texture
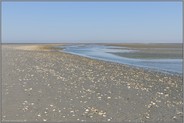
[43,85]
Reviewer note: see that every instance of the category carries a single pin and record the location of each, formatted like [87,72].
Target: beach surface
[41,84]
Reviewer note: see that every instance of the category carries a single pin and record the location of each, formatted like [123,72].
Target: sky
[92,22]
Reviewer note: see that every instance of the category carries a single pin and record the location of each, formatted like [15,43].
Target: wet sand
[45,85]
[151,51]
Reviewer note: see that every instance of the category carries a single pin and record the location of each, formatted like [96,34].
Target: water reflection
[102,52]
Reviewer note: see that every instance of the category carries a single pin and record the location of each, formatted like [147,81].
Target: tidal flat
[151,51]
[41,84]
[160,57]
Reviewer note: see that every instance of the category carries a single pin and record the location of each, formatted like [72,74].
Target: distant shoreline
[113,44]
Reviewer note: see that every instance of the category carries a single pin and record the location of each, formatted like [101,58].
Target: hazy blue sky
[43,22]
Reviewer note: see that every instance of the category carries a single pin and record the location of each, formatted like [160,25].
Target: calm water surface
[105,53]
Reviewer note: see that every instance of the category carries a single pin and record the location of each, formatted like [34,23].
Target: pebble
[108,97]
[44,120]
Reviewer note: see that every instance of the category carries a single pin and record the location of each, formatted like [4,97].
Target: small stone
[99,97]
[174,117]
[100,113]
[108,97]
[44,120]
[39,115]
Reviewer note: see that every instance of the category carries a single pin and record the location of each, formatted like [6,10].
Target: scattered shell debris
[56,86]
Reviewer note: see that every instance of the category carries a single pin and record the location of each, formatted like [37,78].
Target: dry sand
[43,85]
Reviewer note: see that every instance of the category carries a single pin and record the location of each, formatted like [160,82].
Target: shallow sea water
[102,52]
